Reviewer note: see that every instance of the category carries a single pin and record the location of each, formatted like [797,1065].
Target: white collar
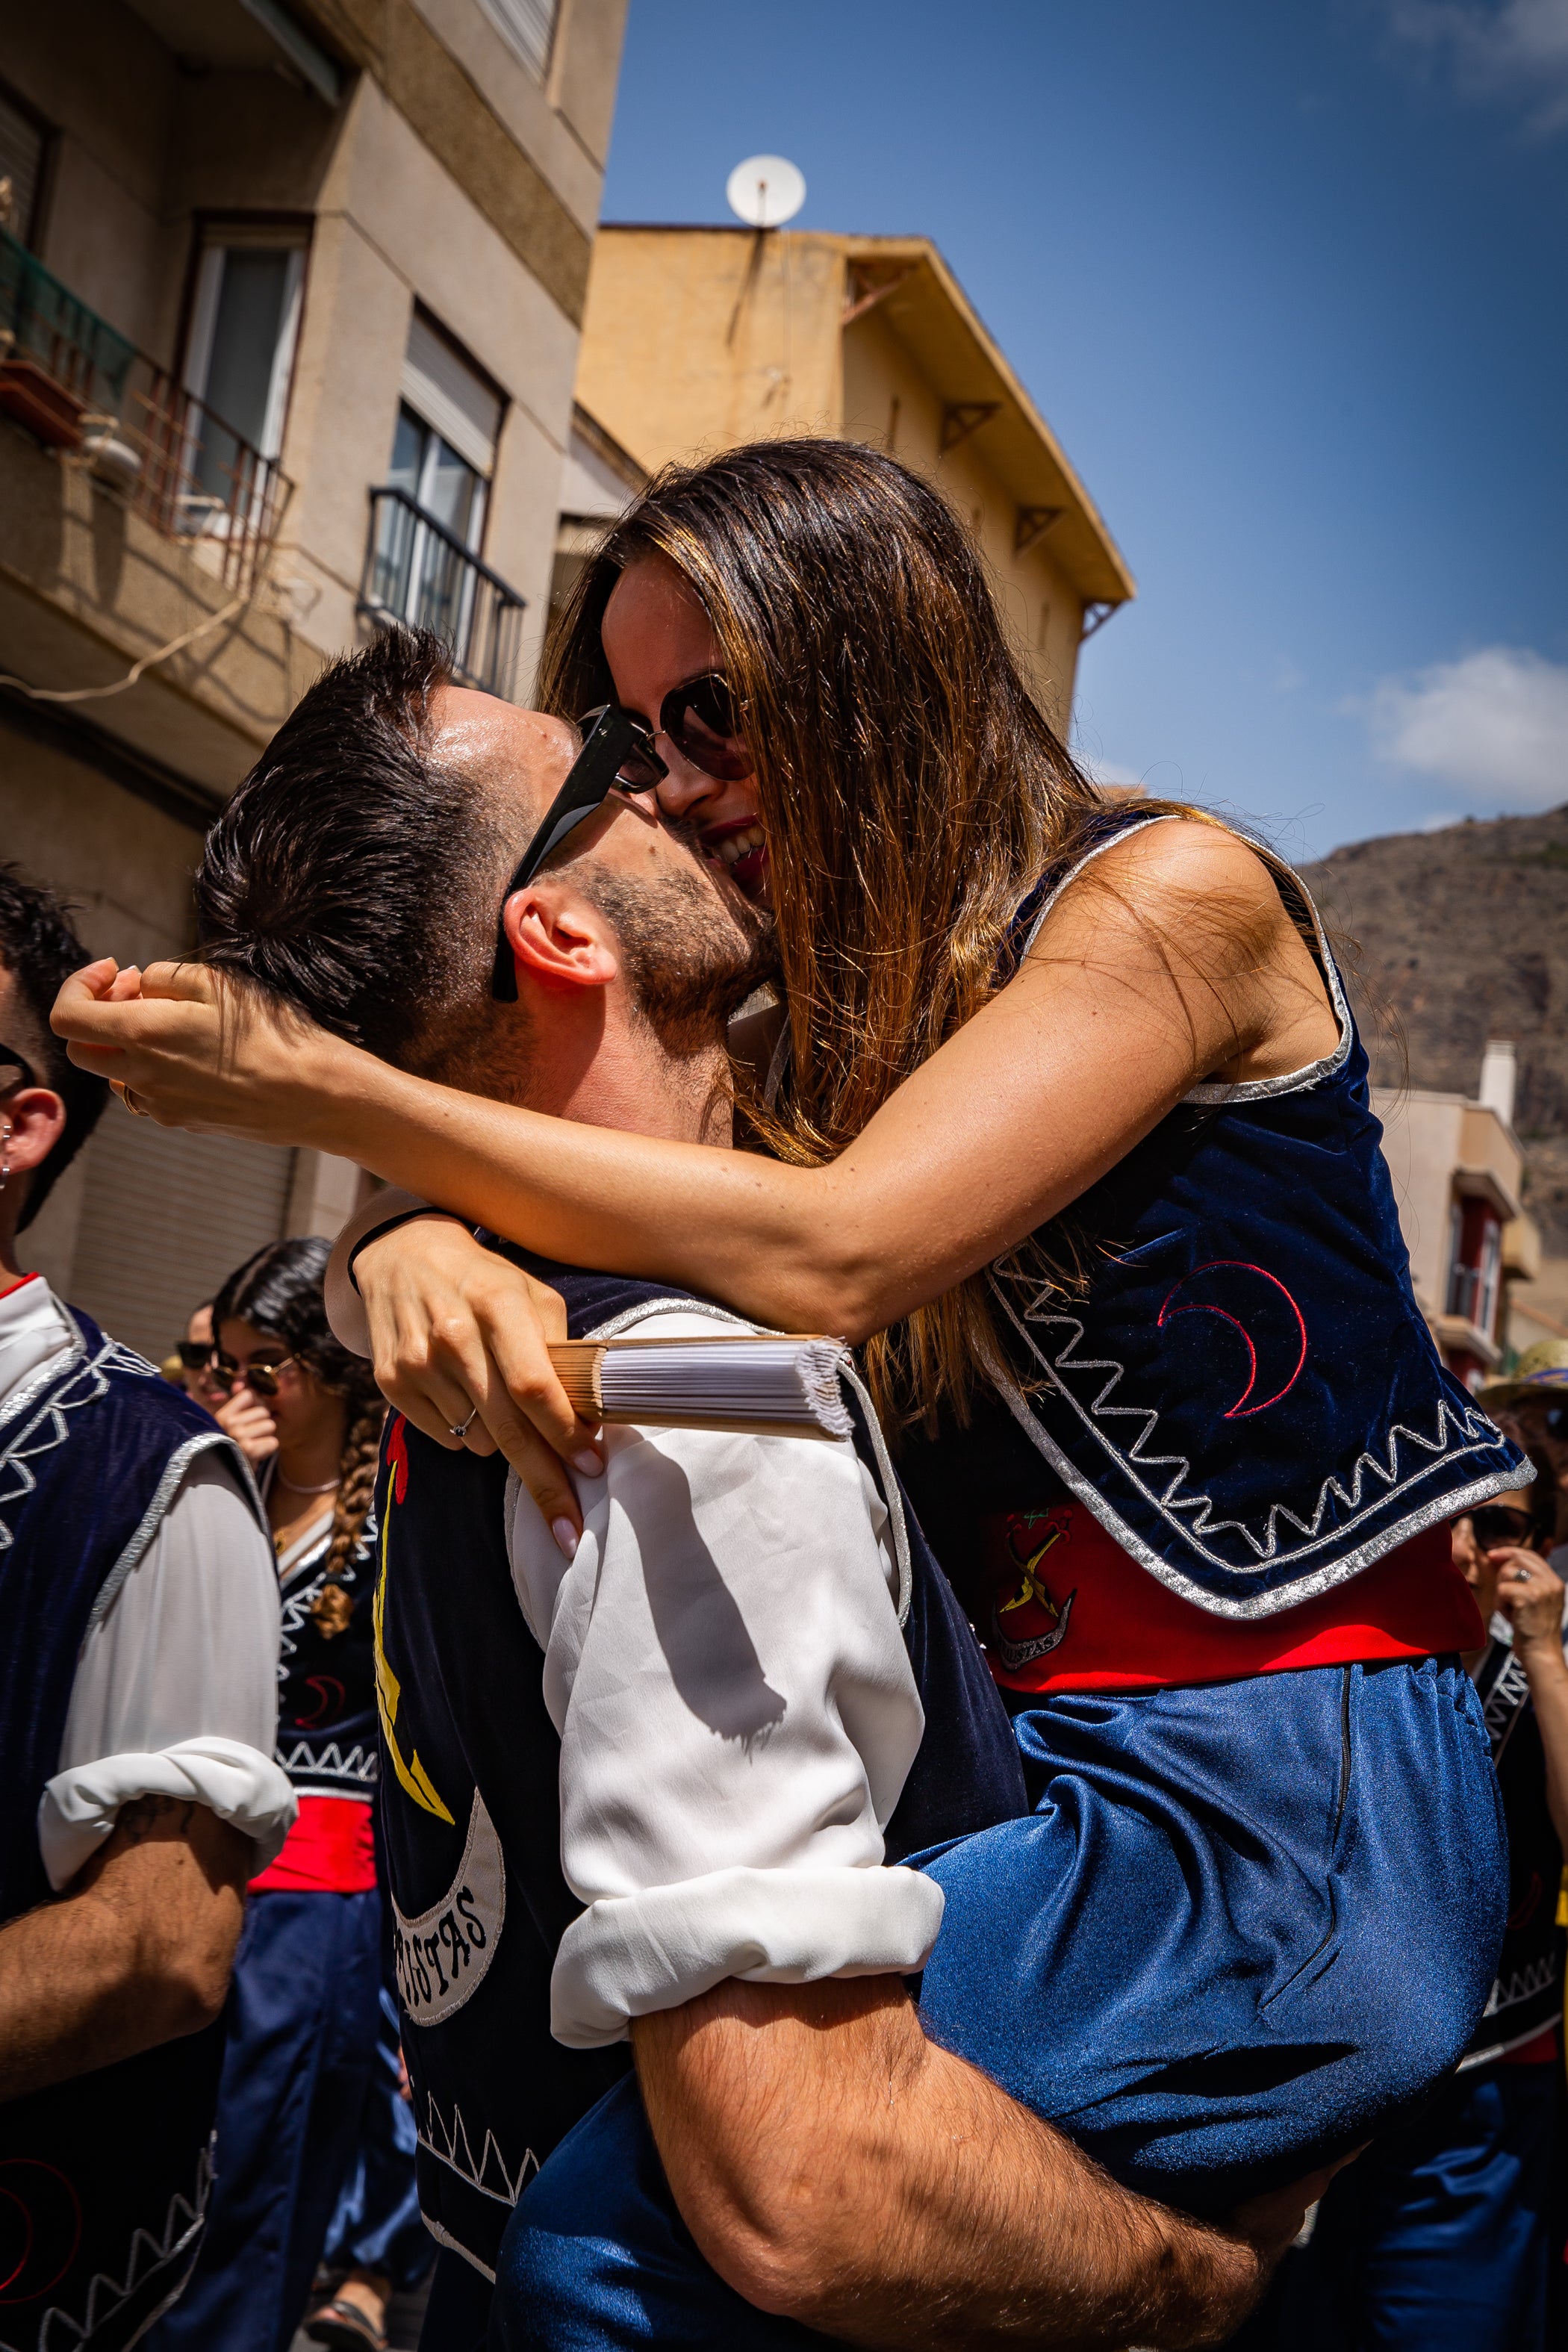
[33,1330]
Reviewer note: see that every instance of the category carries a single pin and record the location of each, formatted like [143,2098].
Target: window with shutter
[22,143]
[527,27]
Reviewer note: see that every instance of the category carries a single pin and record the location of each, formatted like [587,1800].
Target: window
[1475,1265]
[436,478]
[22,148]
[429,517]
[444,449]
[245,322]
[527,27]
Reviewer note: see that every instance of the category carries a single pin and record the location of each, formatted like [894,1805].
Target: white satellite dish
[765,191]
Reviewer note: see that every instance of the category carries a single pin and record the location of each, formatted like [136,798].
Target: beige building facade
[1458,1180]
[290,301]
[698,338]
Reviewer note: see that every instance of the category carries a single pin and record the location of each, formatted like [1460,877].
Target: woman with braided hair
[302,2091]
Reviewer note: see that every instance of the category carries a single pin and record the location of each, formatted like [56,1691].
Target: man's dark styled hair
[344,875]
[39,949]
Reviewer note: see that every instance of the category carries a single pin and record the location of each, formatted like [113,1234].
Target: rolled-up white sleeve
[737,1712]
[176,1689]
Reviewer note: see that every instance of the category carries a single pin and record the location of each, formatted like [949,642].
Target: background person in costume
[1441,2237]
[1091,1129]
[724,1695]
[305,2014]
[138,1629]
[1533,1405]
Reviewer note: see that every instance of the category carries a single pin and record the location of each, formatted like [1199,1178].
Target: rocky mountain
[1453,937]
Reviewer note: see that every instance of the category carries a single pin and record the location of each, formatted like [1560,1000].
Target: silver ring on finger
[461,1428]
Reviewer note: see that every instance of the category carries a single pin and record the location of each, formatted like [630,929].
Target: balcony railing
[81,388]
[417,571]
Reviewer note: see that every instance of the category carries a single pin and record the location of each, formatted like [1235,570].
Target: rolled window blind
[440,386]
[527,27]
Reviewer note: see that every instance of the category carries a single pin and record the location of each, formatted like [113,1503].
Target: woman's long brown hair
[911,790]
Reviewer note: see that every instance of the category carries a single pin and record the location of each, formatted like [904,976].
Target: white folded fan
[774,1387]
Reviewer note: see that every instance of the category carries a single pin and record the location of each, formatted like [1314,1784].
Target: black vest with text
[470,1805]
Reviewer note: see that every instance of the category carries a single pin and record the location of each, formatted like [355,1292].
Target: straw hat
[1541,1371]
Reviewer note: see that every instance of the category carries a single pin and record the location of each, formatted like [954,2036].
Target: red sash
[1069,1610]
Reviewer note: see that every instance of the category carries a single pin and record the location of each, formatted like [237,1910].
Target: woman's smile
[738,844]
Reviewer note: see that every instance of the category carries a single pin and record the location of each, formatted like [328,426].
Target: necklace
[327,1489]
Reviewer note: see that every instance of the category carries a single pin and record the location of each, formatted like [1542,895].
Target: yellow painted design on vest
[412,1776]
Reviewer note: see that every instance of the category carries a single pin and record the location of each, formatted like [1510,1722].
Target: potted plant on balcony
[50,411]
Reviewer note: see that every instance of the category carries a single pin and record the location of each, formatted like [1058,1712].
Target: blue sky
[1287,277]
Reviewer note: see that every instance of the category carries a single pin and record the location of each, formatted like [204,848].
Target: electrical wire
[148,661]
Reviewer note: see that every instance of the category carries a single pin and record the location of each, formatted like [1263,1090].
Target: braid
[332,1607]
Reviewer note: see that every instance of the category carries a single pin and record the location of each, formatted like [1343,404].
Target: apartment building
[290,299]
[697,339]
[1459,1178]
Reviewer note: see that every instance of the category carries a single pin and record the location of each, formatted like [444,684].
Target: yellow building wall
[889,402]
[697,340]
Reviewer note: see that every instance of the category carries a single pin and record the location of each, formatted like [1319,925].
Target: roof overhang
[928,310]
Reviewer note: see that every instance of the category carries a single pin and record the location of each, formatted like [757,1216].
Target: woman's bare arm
[1173,960]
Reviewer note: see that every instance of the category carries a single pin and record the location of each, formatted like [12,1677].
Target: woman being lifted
[1068,1127]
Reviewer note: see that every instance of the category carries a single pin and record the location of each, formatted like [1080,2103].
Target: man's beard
[692,958]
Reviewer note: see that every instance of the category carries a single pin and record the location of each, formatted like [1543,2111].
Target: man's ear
[558,939]
[37,1119]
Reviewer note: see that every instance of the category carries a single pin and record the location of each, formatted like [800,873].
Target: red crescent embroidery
[12,2188]
[1241,1410]
[324,1685]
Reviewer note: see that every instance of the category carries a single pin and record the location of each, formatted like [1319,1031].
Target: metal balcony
[80,387]
[419,574]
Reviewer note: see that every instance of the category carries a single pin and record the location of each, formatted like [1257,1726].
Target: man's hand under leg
[836,2167]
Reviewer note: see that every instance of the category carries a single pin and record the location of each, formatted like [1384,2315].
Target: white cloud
[1496,48]
[1494,723]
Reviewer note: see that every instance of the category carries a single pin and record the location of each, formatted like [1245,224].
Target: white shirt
[176,1688]
[724,1662]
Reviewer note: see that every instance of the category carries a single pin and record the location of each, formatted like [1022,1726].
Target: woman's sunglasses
[1496,1523]
[261,1379]
[699,718]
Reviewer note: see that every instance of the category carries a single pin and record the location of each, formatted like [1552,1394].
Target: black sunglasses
[1554,1418]
[702,720]
[1496,1523]
[11,1060]
[261,1379]
[617,753]
[699,717]
[195,1355]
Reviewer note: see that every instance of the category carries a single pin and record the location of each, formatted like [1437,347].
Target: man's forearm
[138,1953]
[900,2199]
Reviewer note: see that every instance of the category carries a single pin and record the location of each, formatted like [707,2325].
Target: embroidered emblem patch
[442,1957]
[1025,1623]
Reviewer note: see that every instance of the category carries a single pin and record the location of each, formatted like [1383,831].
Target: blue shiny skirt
[1245,1925]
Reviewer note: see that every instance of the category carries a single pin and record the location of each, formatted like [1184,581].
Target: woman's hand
[1531,1597]
[455,1330]
[199,1049]
[246,1419]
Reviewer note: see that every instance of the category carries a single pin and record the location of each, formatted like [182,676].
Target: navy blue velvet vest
[470,1815]
[105,2178]
[1246,1396]
[326,1682]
